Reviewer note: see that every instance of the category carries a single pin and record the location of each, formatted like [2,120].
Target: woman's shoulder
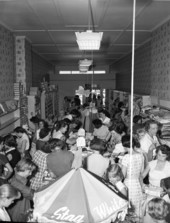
[104,128]
[152,163]
[25,136]
[125,159]
[167,165]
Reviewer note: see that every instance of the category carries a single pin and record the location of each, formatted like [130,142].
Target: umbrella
[78,197]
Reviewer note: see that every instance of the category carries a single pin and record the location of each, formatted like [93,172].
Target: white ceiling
[50,25]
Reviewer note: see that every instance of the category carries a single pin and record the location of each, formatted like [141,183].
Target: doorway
[96,92]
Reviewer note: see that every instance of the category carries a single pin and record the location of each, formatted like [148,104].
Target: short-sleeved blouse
[155,176]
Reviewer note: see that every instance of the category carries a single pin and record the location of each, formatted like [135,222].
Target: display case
[9,116]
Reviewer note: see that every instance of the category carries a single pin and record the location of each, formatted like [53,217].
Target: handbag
[165,184]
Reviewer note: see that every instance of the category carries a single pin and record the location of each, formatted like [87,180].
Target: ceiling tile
[120,48]
[46,49]
[74,12]
[126,37]
[63,37]
[69,49]
[18,15]
[153,15]
[52,18]
[51,25]
[37,37]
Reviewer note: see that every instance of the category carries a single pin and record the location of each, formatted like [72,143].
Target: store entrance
[94,95]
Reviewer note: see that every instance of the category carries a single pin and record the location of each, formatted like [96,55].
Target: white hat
[69,117]
[81,132]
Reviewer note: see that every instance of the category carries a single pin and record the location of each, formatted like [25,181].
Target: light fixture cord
[92,77]
[89,15]
[132,93]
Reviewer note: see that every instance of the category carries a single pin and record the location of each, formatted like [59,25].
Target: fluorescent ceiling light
[64,72]
[75,72]
[79,72]
[89,40]
[100,72]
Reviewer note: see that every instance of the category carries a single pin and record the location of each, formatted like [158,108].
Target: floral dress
[132,179]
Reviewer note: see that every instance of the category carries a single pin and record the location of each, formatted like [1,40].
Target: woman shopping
[132,168]
[158,169]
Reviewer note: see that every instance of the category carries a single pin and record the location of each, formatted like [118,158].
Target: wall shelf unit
[7,113]
[48,103]
[9,121]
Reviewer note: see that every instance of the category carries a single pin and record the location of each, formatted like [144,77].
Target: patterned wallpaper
[28,61]
[19,63]
[30,67]
[142,71]
[6,64]
[152,66]
[40,68]
[20,60]
[160,62]
[142,76]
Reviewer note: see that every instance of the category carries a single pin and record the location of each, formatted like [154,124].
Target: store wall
[40,67]
[35,66]
[23,62]
[7,60]
[152,67]
[68,84]
[142,71]
[160,62]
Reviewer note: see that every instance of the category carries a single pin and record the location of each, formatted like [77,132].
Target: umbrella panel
[81,199]
[72,199]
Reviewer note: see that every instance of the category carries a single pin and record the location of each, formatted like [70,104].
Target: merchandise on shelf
[49,103]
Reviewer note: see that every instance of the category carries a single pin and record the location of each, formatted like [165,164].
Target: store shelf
[164,104]
[8,113]
[8,123]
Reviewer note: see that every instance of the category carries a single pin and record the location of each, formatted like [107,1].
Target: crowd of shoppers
[28,164]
